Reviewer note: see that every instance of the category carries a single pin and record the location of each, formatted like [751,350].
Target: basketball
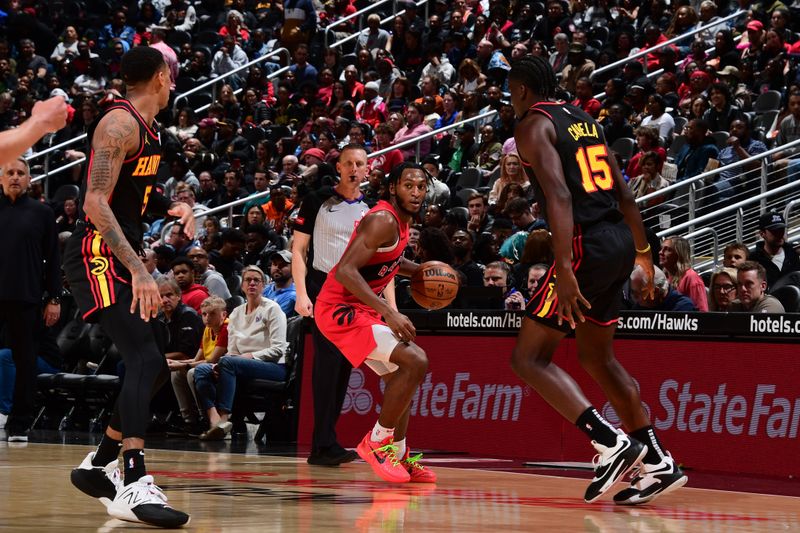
[434,285]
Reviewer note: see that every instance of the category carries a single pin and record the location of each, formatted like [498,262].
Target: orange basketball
[434,285]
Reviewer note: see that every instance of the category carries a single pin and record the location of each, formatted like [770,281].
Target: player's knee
[412,358]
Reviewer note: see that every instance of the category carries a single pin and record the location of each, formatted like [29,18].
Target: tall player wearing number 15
[597,236]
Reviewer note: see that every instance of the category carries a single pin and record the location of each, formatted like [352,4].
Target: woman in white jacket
[256,350]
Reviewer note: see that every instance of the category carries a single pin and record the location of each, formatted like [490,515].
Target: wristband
[647,249]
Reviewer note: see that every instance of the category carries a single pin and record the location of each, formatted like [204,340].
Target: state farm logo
[611,415]
[358,399]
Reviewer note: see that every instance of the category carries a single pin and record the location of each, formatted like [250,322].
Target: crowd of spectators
[276,132]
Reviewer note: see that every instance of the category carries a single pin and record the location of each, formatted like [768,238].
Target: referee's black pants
[21,320]
[329,379]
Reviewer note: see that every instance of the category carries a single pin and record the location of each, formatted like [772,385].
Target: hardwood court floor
[227,492]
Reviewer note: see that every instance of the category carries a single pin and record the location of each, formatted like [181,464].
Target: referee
[323,227]
[29,268]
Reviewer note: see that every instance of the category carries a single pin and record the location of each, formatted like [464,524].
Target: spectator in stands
[117,28]
[496,274]
[616,124]
[773,253]
[518,210]
[282,289]
[465,147]
[210,279]
[480,220]
[375,37]
[693,156]
[303,71]
[510,172]
[67,47]
[68,219]
[277,209]
[722,289]
[185,125]
[256,350]
[383,139]
[372,109]
[414,128]
[179,241]
[789,131]
[213,345]
[438,68]
[650,180]
[665,297]
[752,290]
[229,57]
[558,59]
[585,99]
[184,323]
[489,151]
[462,243]
[226,260]
[233,189]
[676,261]
[260,241]
[658,117]
[192,294]
[740,146]
[578,67]
[434,216]
[646,141]
[555,22]
[734,255]
[722,112]
[208,188]
[180,175]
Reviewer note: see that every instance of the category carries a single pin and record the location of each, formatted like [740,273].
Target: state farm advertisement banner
[719,406]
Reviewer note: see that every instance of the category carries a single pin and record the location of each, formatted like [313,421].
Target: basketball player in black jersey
[112,286]
[597,235]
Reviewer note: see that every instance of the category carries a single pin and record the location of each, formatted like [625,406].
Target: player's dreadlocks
[536,73]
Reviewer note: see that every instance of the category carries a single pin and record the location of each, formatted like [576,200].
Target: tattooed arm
[115,138]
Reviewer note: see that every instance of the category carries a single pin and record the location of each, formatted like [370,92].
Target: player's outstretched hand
[185,215]
[145,295]
[645,262]
[303,305]
[51,114]
[570,299]
[401,326]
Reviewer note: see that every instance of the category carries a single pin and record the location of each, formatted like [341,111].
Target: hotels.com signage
[719,406]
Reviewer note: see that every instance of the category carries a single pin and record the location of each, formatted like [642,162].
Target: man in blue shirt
[740,146]
[281,290]
[693,157]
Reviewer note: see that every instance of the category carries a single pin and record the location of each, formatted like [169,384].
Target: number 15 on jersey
[595,170]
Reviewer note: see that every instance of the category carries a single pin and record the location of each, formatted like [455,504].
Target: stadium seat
[624,146]
[68,190]
[789,296]
[277,399]
[767,101]
[720,138]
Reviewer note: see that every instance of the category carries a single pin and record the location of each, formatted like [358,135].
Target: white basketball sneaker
[101,482]
[142,501]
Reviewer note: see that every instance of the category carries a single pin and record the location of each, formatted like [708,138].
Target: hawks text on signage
[766,324]
[469,320]
[760,412]
[465,400]
[659,321]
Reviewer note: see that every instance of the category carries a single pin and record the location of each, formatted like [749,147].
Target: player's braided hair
[536,73]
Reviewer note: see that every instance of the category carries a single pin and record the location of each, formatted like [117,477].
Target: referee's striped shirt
[330,220]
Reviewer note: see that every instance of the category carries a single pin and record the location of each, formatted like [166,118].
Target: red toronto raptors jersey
[378,271]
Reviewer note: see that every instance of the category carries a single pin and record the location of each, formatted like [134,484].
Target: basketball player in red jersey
[102,262]
[597,235]
[349,310]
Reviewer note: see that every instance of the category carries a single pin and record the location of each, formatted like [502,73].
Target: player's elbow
[92,203]
[342,273]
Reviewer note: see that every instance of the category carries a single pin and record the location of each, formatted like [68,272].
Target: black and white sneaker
[611,464]
[649,481]
[142,501]
[101,482]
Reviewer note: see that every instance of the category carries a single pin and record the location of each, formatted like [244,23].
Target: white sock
[379,433]
[401,447]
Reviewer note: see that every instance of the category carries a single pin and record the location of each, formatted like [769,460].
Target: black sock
[107,451]
[655,450]
[600,431]
[134,465]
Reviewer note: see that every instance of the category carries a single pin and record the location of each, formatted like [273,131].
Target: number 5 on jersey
[595,170]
